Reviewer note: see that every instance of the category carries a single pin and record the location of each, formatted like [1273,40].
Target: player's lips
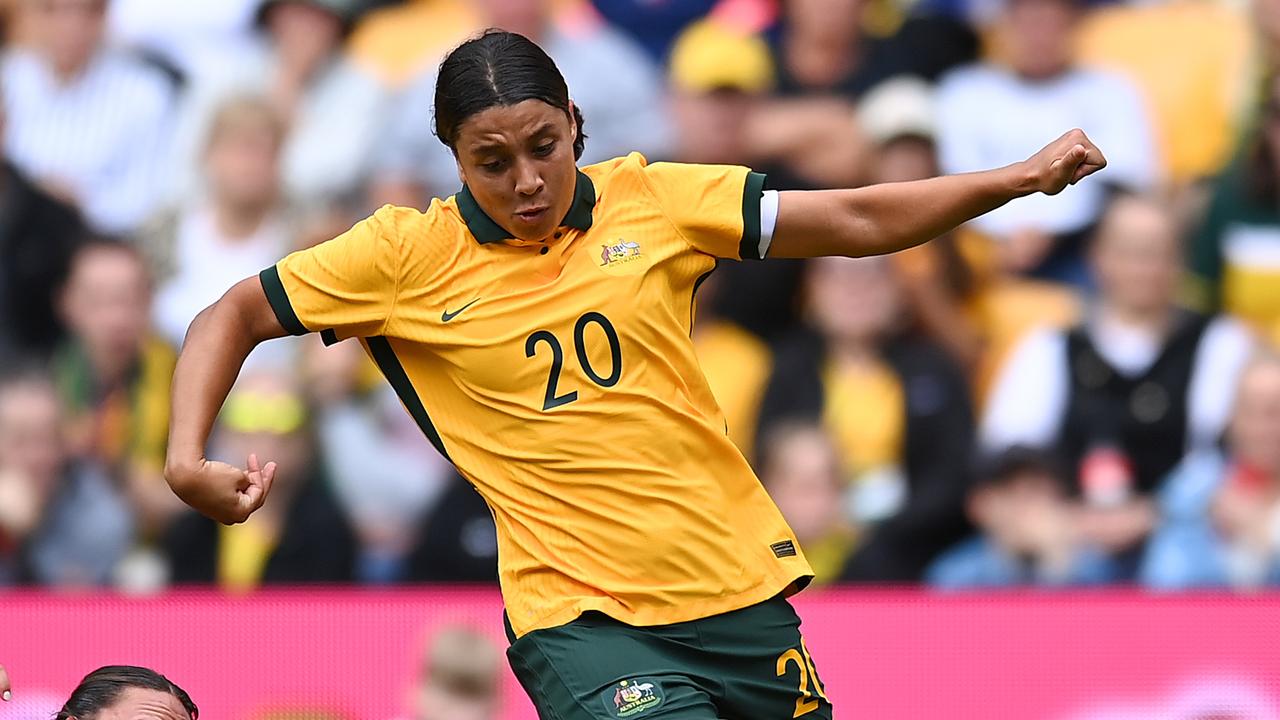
[532,215]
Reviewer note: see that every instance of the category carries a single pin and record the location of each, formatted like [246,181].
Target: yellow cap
[248,411]
[710,55]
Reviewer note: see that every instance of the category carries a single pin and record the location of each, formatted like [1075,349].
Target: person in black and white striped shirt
[87,123]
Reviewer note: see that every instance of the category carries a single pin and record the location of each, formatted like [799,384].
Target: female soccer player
[536,326]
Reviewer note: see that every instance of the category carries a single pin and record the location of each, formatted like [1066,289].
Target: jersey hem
[776,584]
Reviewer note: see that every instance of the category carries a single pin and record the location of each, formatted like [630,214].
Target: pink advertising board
[905,654]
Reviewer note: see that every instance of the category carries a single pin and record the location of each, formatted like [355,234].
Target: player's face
[518,162]
[142,704]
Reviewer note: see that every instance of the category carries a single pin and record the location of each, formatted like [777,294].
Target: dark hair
[999,468]
[105,685]
[498,68]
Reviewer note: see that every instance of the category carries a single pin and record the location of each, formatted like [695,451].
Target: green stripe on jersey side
[279,300]
[752,192]
[394,372]
[693,297]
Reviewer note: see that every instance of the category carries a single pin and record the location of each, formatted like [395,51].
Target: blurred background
[1070,392]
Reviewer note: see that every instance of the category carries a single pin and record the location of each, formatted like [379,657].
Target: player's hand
[1064,162]
[221,491]
[4,685]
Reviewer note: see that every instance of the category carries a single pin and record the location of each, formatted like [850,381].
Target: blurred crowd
[1082,389]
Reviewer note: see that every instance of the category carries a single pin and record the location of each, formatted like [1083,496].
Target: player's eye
[493,165]
[545,149]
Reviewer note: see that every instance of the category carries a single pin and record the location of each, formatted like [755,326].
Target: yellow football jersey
[560,379]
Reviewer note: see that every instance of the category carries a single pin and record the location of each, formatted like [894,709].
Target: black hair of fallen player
[498,68]
[104,686]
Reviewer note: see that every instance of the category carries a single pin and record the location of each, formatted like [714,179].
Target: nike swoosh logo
[446,316]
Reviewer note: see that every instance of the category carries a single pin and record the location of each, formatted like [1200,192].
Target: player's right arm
[217,343]
[345,287]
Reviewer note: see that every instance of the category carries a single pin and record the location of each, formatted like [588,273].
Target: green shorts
[742,665]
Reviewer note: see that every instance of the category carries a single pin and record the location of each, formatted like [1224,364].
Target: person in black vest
[897,407]
[1124,395]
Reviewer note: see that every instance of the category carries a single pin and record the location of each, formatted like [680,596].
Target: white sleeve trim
[768,219]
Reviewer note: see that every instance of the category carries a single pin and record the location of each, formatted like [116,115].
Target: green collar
[486,230]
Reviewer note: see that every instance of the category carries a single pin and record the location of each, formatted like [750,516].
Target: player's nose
[528,179]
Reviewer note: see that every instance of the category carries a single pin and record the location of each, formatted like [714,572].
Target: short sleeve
[345,287]
[716,208]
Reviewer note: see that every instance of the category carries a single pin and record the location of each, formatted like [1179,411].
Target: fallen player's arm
[895,216]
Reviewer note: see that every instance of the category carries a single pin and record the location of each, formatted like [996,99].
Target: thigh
[606,671]
[763,664]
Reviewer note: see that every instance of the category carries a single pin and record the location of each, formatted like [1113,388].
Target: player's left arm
[895,216]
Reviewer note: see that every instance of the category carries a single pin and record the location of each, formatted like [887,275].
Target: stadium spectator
[188,36]
[953,285]
[1221,508]
[898,117]
[62,523]
[125,691]
[334,109]
[897,407]
[460,677]
[400,42]
[719,77]
[989,114]
[800,468]
[1026,531]
[301,535]
[1196,98]
[458,540]
[737,362]
[1235,255]
[616,87]
[38,234]
[237,225]
[113,375]
[656,24]
[825,48]
[1125,394]
[89,124]
[385,474]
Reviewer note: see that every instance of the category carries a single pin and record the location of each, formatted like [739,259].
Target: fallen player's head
[127,692]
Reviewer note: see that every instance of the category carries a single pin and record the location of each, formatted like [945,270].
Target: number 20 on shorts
[806,703]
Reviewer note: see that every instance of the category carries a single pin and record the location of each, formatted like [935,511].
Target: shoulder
[131,80]
[408,226]
[630,173]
